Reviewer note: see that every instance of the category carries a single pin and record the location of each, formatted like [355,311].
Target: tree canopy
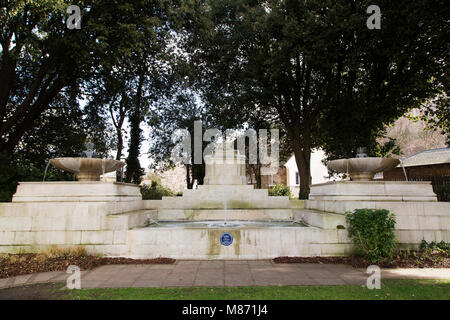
[318,69]
[312,67]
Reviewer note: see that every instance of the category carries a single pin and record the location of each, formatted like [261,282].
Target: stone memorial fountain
[223,219]
[363,186]
[88,187]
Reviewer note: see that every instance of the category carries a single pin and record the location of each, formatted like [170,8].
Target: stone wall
[174,179]
[416,220]
[99,226]
[96,215]
[114,228]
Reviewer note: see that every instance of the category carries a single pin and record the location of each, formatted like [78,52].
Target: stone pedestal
[69,191]
[225,188]
[225,168]
[373,191]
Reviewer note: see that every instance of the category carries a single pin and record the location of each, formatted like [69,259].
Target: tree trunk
[305,182]
[28,121]
[189,180]
[119,176]
[258,176]
[198,173]
[6,82]
[119,143]
[134,170]
[303,161]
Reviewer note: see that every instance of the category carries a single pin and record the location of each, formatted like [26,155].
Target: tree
[110,94]
[127,86]
[43,63]
[437,115]
[40,56]
[314,64]
[134,170]
[179,110]
[61,132]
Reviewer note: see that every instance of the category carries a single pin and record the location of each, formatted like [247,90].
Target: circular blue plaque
[226,239]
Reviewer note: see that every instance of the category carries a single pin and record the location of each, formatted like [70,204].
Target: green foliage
[280,190]
[372,231]
[61,131]
[178,111]
[437,115]
[434,246]
[156,191]
[48,69]
[316,68]
[391,290]
[388,149]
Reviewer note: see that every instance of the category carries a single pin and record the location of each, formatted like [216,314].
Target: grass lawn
[392,290]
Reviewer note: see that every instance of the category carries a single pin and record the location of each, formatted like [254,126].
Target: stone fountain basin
[362,169]
[87,169]
[220,224]
[194,240]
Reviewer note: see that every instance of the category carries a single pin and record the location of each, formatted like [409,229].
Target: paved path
[222,273]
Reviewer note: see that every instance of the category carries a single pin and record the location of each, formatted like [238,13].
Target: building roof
[428,157]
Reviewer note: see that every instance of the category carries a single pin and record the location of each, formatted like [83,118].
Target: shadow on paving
[42,291]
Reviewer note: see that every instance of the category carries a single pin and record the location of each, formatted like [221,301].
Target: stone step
[221,195]
[418,208]
[208,203]
[129,220]
[219,214]
[321,219]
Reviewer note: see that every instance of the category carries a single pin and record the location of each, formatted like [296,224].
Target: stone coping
[370,182]
[80,182]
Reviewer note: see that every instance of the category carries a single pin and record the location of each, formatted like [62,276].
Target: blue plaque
[226,239]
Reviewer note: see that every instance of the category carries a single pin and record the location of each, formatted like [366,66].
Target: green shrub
[372,231]
[435,246]
[280,190]
[155,192]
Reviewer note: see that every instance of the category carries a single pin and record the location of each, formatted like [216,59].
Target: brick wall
[279,178]
[418,171]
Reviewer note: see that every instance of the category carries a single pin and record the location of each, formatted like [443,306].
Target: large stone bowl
[362,169]
[87,169]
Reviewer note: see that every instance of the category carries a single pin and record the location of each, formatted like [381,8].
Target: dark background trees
[331,81]
[312,67]
[42,63]
[179,110]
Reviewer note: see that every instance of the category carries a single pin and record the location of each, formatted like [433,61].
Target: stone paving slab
[223,273]
[4,283]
